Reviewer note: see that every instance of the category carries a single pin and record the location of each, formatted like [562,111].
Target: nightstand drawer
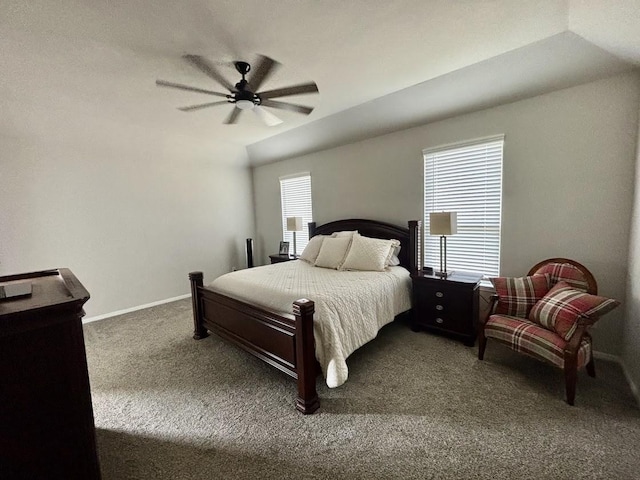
[443,321]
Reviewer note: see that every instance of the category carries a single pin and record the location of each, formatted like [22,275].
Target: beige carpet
[415,406]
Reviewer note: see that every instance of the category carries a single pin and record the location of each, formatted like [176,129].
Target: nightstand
[281,258]
[446,305]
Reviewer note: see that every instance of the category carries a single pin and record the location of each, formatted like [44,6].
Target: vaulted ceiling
[379,65]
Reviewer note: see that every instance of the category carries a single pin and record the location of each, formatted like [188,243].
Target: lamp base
[443,274]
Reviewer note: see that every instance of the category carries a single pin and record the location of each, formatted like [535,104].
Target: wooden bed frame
[286,341]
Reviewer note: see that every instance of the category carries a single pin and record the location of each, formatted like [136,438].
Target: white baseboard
[133,309]
[615,358]
[607,357]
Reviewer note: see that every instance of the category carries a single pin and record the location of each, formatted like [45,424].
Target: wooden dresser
[46,418]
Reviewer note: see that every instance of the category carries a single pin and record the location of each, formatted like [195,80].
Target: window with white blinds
[466,178]
[295,196]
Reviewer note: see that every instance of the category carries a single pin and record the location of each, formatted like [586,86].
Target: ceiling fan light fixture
[244,104]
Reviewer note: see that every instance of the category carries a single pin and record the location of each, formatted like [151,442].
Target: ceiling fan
[245,95]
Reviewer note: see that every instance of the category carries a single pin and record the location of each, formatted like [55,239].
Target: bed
[281,339]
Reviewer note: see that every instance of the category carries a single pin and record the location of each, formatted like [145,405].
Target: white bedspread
[350,307]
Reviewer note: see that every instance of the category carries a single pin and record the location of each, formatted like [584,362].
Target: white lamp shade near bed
[294,224]
[443,224]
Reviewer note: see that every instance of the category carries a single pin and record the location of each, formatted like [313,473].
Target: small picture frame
[284,248]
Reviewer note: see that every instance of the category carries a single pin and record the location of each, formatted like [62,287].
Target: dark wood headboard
[375,229]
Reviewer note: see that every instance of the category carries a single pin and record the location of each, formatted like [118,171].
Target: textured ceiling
[70,63]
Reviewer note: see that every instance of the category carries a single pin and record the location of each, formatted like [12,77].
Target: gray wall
[631,346]
[129,212]
[568,182]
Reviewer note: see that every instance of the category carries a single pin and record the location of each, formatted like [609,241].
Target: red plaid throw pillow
[563,305]
[516,296]
[566,272]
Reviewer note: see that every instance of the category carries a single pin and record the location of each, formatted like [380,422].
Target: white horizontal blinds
[467,179]
[295,195]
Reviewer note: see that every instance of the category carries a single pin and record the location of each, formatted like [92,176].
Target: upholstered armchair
[547,315]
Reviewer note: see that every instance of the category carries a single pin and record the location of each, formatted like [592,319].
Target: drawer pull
[439,320]
[439,307]
[439,294]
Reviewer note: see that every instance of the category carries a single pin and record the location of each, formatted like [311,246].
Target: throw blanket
[350,307]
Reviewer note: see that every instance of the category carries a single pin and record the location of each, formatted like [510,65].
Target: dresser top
[50,290]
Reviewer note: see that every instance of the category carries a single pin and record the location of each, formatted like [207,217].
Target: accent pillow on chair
[516,296]
[560,309]
[564,271]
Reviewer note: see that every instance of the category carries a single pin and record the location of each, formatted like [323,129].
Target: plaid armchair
[547,315]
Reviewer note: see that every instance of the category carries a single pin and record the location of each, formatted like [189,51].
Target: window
[466,178]
[295,195]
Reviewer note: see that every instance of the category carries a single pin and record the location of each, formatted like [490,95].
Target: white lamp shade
[294,224]
[443,223]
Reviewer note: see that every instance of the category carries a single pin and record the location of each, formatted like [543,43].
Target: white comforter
[350,307]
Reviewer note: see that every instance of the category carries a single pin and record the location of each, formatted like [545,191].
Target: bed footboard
[284,342]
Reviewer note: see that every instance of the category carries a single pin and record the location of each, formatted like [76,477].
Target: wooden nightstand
[447,305]
[281,258]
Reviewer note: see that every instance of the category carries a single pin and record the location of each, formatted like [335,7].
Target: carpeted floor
[416,406]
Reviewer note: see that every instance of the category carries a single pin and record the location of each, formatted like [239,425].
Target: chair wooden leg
[591,367]
[482,344]
[571,378]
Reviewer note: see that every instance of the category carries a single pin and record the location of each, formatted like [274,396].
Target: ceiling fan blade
[287,106]
[264,70]
[162,83]
[208,69]
[202,105]
[233,116]
[293,90]
[266,116]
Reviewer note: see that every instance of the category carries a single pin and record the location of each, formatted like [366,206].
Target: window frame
[481,230]
[296,207]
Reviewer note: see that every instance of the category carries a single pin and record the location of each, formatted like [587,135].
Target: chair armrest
[493,301]
[574,342]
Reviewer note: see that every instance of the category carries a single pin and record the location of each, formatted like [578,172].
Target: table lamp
[294,224]
[443,224]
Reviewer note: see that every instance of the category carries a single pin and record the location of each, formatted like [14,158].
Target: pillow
[345,233]
[369,254]
[332,252]
[393,255]
[567,272]
[560,309]
[310,252]
[516,296]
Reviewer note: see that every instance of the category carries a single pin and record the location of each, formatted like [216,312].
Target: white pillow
[344,233]
[370,254]
[332,252]
[310,252]
[394,260]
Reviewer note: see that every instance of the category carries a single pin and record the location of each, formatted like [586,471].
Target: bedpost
[312,229]
[196,279]
[414,245]
[249,252]
[307,401]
